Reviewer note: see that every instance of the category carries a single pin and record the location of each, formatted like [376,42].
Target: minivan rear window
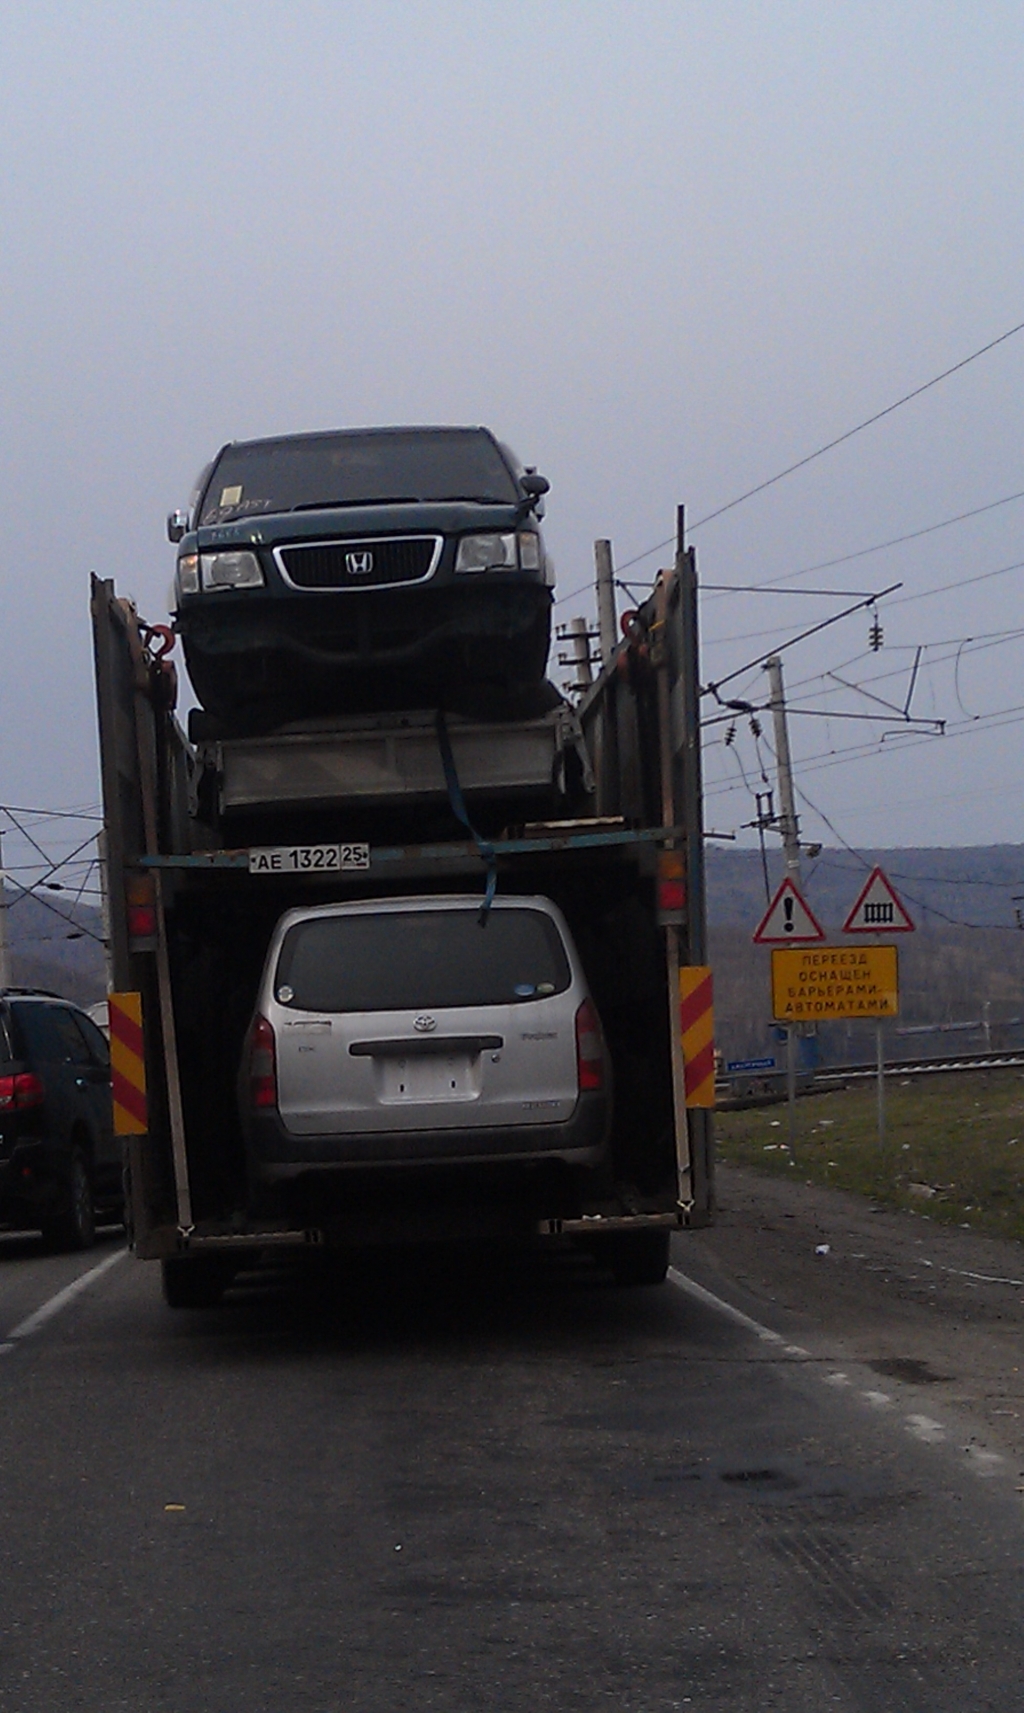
[421,959]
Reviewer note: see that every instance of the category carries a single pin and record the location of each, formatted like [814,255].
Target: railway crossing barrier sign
[878,909]
[787,920]
[813,984]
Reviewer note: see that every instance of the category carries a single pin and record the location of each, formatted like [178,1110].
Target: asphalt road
[504,1488]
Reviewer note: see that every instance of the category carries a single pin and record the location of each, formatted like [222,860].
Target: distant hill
[48,950]
[973,885]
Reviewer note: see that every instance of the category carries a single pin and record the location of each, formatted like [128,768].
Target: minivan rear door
[485,1036]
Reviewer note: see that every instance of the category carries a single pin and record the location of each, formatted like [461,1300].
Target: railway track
[768,1088]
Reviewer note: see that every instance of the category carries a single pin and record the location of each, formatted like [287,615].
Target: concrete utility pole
[577,637]
[5,951]
[789,826]
[790,830]
[607,625]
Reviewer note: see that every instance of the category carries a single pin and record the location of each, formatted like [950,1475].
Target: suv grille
[360,564]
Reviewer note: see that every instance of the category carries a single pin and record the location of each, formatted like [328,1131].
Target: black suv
[363,569]
[59,1158]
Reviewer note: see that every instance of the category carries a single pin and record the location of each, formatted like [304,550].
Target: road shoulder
[935,1310]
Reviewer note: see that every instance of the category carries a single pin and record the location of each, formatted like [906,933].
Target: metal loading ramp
[396,759]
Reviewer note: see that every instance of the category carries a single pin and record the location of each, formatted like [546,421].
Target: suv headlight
[230,571]
[499,552]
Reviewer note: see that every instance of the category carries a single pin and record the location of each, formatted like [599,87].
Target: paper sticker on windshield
[231,496]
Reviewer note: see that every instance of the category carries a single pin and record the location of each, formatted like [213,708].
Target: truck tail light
[23,1090]
[589,1049]
[141,907]
[671,889]
[262,1065]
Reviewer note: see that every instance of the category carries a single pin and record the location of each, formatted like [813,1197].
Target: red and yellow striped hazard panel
[697,1023]
[127,1064]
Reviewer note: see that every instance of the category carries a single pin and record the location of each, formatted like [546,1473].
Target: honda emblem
[359,564]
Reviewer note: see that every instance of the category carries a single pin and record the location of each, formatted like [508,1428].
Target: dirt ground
[937,1311]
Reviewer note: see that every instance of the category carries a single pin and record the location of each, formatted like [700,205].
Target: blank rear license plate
[428,1079]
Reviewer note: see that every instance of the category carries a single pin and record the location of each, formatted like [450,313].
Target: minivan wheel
[194,1281]
[76,1227]
[636,1257]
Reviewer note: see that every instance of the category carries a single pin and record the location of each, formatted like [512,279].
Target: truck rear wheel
[636,1257]
[194,1281]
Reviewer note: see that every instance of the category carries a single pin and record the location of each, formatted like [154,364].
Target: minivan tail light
[23,1090]
[262,1065]
[589,1049]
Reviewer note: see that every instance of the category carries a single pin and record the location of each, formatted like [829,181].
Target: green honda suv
[363,569]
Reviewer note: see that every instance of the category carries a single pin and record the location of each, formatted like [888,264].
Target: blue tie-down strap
[460,812]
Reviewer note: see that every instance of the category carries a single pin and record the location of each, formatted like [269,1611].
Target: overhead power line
[829,446]
[864,552]
[959,583]
[712,689]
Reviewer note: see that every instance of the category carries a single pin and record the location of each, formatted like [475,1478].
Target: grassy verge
[954,1146]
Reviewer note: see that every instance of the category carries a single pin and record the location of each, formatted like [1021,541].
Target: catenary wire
[829,446]
[878,547]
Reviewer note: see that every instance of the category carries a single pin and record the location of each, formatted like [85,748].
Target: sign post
[788,920]
[876,908]
[826,982]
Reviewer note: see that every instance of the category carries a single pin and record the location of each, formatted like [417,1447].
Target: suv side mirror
[177,525]
[534,485]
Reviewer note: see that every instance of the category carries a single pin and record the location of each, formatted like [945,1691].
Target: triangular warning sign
[878,910]
[787,920]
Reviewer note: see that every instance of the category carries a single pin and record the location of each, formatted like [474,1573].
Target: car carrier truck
[596,808]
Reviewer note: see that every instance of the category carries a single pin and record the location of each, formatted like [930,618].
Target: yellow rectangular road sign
[813,983]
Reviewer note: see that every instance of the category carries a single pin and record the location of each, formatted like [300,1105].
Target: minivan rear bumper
[275,1155]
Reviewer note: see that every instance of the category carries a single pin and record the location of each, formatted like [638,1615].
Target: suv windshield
[370,466]
[423,959]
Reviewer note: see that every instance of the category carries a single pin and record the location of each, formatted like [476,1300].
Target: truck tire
[194,1281]
[636,1257]
[76,1227]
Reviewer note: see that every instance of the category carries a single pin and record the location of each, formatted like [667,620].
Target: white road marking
[961,1273]
[985,1278]
[55,1304]
[984,1463]
[691,1289]
[924,1428]
[929,1432]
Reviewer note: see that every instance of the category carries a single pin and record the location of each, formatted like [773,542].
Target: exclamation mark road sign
[788,918]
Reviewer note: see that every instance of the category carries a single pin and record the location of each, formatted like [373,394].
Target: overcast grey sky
[662,249]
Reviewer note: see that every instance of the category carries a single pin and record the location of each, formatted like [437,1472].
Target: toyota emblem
[359,564]
[425,1024]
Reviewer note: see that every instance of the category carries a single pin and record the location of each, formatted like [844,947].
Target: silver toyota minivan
[408,1032]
